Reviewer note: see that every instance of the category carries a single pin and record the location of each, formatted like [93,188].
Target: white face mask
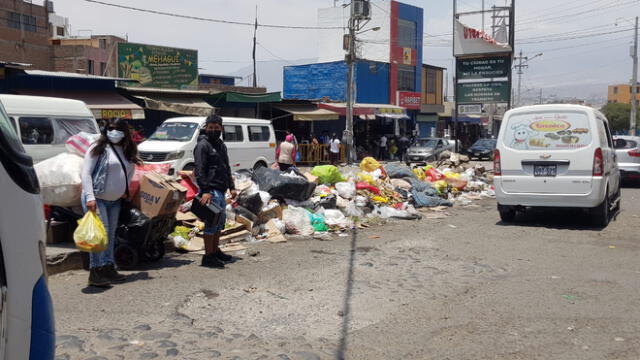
[115,136]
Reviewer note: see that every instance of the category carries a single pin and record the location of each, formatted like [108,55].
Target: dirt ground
[464,286]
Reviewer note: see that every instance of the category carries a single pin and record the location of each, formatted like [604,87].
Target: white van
[556,156]
[251,143]
[45,123]
[26,311]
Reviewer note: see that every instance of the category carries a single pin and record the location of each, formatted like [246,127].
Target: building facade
[432,100]
[25,33]
[621,94]
[92,55]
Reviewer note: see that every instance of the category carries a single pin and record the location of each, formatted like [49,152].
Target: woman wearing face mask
[109,165]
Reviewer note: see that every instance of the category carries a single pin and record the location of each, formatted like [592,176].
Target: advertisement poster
[158,66]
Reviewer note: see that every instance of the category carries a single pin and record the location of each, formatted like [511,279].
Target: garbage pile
[271,203]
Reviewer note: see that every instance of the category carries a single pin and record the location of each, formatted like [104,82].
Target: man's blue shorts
[218,198]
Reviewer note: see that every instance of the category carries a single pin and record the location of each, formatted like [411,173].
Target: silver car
[628,154]
[428,149]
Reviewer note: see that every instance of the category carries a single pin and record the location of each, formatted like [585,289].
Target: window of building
[407,34]
[258,133]
[59,31]
[103,69]
[233,133]
[14,20]
[406,78]
[90,67]
[102,43]
[431,82]
[36,130]
[29,23]
[615,89]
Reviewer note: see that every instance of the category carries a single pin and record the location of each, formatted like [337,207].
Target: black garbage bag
[133,225]
[250,201]
[64,215]
[284,185]
[328,202]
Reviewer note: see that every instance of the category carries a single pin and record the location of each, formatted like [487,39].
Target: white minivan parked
[251,143]
[45,123]
[556,156]
[26,312]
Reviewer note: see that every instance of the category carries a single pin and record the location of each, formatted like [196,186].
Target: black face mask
[214,135]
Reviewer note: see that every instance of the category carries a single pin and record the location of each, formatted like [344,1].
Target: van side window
[36,130]
[609,139]
[64,128]
[233,133]
[258,133]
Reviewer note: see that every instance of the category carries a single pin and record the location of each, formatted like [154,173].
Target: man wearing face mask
[213,175]
[108,167]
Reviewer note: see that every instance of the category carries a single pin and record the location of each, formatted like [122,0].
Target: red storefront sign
[409,100]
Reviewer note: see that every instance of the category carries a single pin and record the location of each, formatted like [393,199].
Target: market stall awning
[308,112]
[382,110]
[182,105]
[103,104]
[232,96]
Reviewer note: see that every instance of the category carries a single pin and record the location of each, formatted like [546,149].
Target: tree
[618,116]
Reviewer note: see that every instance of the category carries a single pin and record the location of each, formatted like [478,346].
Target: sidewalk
[64,257]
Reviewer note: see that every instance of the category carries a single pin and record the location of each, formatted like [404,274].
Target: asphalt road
[461,287]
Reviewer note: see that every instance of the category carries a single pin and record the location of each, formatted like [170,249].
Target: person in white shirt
[108,167]
[382,154]
[334,149]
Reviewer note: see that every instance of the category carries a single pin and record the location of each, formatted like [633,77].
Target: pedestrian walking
[403,145]
[213,175]
[382,151]
[314,154]
[106,173]
[286,154]
[334,149]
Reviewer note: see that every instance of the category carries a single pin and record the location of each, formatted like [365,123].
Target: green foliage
[618,116]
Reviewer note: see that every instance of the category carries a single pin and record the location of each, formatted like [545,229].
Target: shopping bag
[90,236]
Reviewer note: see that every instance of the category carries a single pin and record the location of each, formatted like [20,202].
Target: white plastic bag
[353,210]
[346,190]
[335,217]
[361,201]
[296,221]
[60,179]
[265,196]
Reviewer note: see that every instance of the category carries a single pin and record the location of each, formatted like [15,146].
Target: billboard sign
[469,109]
[470,41]
[483,92]
[483,67]
[158,66]
[409,100]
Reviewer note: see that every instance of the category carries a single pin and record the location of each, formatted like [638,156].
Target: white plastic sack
[353,210]
[335,217]
[265,196]
[346,190]
[60,179]
[296,221]
[79,143]
[387,212]
[361,201]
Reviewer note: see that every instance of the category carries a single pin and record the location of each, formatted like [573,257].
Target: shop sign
[482,92]
[158,66]
[483,68]
[409,100]
[114,113]
[470,109]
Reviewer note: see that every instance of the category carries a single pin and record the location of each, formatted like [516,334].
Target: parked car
[628,152]
[482,149]
[45,123]
[251,142]
[428,149]
[556,156]
[26,311]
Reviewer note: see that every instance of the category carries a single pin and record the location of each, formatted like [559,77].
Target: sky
[577,57]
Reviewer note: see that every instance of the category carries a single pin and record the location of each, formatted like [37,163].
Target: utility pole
[540,99]
[634,84]
[255,30]
[520,66]
[351,59]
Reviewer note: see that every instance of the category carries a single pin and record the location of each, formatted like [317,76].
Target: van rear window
[548,131]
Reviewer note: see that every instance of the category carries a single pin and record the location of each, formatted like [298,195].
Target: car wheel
[600,214]
[259,164]
[507,213]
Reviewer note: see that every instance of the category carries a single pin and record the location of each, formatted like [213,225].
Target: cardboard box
[273,213]
[159,195]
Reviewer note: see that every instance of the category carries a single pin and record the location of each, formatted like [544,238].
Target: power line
[219,21]
[601,8]
[574,37]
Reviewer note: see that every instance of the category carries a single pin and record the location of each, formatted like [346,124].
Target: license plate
[415,158]
[545,170]
[476,154]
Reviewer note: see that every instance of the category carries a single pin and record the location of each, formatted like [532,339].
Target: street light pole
[634,84]
[351,57]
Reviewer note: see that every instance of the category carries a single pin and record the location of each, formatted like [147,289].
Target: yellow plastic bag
[419,173]
[441,186]
[368,178]
[90,236]
[369,164]
[380,199]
